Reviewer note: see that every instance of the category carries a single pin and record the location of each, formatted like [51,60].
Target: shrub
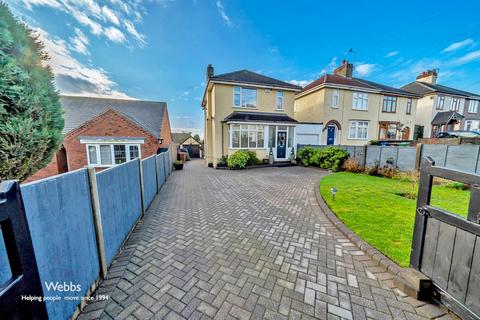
[352,165]
[305,154]
[388,171]
[327,158]
[252,158]
[238,160]
[222,162]
[457,185]
[373,170]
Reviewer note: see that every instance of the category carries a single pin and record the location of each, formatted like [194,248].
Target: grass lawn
[371,208]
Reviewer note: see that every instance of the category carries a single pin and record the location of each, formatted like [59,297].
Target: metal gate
[446,246]
[18,295]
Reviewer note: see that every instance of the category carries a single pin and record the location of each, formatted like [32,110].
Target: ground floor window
[472,125]
[247,136]
[388,131]
[111,154]
[358,130]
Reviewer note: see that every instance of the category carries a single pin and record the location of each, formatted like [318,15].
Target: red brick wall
[109,123]
[166,132]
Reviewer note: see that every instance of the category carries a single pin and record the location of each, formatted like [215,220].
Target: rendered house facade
[102,132]
[443,108]
[246,110]
[354,111]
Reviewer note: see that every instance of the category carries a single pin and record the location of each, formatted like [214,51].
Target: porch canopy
[262,117]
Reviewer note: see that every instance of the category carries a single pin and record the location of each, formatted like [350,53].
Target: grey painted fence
[61,218]
[463,157]
[161,177]
[149,174]
[120,204]
[59,214]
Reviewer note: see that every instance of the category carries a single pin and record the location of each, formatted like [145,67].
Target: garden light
[334,192]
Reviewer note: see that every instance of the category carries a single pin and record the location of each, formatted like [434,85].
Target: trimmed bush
[238,160]
[252,159]
[330,158]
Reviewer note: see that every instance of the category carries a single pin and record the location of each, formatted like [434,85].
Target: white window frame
[280,100]
[97,150]
[248,130]
[356,124]
[471,122]
[239,90]
[360,101]
[335,98]
[455,104]
[473,106]
[440,102]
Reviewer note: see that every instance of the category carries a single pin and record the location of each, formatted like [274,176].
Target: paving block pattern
[250,244]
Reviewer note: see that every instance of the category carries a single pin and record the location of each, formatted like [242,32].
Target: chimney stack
[346,69]
[210,72]
[429,76]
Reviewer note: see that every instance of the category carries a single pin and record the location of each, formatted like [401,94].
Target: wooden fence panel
[120,204]
[149,174]
[59,212]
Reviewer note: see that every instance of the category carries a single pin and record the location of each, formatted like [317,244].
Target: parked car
[458,134]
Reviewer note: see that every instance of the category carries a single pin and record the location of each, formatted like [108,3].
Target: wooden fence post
[142,190]
[424,195]
[97,219]
[418,156]
[365,148]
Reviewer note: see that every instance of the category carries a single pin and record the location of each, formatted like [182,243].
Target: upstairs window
[360,101]
[409,106]
[473,106]
[335,98]
[440,102]
[244,97]
[455,105]
[280,100]
[389,104]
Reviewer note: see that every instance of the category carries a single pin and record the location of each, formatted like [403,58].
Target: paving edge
[376,255]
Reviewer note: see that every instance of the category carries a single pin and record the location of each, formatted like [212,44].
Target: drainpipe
[223,133]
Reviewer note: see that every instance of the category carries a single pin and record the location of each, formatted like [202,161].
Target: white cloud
[102,19]
[364,69]
[110,15]
[223,14]
[73,77]
[79,42]
[469,57]
[458,45]
[301,83]
[114,34]
[391,54]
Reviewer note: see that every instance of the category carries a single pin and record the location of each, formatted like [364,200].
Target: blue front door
[330,135]
[281,144]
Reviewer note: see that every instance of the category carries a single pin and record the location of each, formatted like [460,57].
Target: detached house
[101,133]
[443,108]
[247,110]
[354,111]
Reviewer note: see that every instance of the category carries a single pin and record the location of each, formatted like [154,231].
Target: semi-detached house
[443,108]
[354,111]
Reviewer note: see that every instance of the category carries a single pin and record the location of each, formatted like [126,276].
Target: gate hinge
[423,211]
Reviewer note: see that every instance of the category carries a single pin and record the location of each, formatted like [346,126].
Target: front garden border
[374,253]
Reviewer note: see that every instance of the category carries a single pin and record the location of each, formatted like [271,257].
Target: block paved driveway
[248,244]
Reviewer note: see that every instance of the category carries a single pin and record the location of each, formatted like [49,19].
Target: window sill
[245,108]
[364,110]
[389,112]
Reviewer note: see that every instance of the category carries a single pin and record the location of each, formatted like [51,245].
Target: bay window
[105,155]
[243,136]
[244,97]
[360,101]
[358,130]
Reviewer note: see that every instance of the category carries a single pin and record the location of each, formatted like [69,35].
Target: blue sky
[159,49]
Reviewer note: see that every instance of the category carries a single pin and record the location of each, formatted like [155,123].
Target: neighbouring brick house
[103,132]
